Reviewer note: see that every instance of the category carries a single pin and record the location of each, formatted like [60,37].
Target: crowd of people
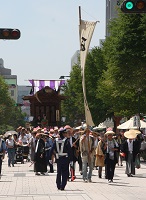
[68,146]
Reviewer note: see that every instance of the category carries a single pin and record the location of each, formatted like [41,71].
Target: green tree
[73,106]
[5,102]
[10,115]
[125,56]
[95,66]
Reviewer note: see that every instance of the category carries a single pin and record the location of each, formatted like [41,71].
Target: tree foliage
[10,115]
[73,106]
[5,102]
[113,74]
[95,66]
[125,56]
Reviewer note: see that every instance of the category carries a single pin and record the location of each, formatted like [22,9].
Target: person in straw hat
[74,148]
[111,148]
[56,130]
[32,144]
[40,164]
[18,130]
[48,145]
[78,135]
[87,154]
[130,148]
[99,160]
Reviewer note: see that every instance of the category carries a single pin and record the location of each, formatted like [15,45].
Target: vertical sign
[136,121]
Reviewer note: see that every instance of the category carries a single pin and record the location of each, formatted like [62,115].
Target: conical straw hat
[131,134]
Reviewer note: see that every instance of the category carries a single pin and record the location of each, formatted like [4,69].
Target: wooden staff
[31,164]
[79,136]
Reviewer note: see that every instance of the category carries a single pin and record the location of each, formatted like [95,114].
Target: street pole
[139,90]
[139,104]
[139,93]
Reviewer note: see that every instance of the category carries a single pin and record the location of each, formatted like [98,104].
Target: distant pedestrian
[32,145]
[99,161]
[74,147]
[111,149]
[120,140]
[2,152]
[48,145]
[10,143]
[131,149]
[87,154]
[40,164]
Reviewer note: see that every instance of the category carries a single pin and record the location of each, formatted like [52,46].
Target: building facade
[75,60]
[25,105]
[11,80]
[111,12]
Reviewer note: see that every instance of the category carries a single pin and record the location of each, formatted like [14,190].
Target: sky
[49,35]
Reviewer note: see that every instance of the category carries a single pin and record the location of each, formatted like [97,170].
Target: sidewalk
[20,183]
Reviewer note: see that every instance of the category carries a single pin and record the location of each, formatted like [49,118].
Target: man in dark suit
[131,148]
[40,164]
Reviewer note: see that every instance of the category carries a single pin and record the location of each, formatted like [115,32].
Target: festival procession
[67,149]
[83,135]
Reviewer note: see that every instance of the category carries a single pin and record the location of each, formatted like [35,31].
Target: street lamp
[139,90]
[63,77]
[63,119]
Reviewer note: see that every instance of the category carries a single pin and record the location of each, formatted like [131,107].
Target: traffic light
[134,6]
[9,34]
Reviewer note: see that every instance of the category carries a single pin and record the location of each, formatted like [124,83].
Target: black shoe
[61,188]
[128,175]
[37,174]
[58,188]
[42,173]
[100,176]
[51,172]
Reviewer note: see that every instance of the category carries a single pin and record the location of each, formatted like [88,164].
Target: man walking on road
[63,157]
[87,154]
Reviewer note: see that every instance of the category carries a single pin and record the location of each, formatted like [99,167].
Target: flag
[86,30]
[32,88]
[40,84]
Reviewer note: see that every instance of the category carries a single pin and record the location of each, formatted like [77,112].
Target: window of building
[12,93]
